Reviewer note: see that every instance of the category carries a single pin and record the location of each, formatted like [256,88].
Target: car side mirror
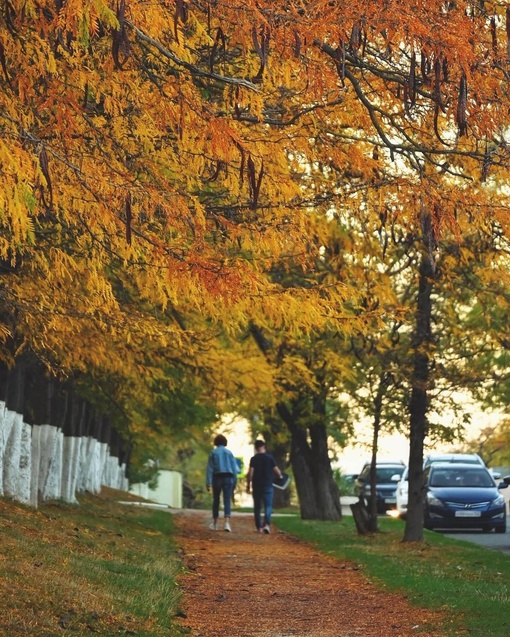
[503,485]
[506,480]
[395,477]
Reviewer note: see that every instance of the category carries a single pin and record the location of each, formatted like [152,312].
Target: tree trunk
[86,428]
[361,517]
[71,419]
[12,451]
[372,510]
[319,498]
[419,402]
[378,404]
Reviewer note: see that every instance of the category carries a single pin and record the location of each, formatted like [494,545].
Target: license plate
[468,514]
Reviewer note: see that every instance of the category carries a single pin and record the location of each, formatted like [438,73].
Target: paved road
[495,541]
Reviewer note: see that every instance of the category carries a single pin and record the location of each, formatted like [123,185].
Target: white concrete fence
[38,463]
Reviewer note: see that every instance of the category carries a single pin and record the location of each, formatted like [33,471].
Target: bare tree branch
[235,81]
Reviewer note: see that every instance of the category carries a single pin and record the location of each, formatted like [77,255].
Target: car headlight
[497,502]
[433,501]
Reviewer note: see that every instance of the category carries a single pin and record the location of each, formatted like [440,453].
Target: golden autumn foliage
[159,159]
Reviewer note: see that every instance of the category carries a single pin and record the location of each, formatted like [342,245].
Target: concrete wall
[168,491]
[39,463]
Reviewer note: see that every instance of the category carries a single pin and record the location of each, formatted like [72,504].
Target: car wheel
[501,529]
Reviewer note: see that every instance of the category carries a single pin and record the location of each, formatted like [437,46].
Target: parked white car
[401,494]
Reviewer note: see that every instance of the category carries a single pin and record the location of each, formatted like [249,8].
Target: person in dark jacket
[221,475]
[259,481]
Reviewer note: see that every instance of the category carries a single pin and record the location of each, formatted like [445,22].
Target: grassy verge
[100,567]
[468,581]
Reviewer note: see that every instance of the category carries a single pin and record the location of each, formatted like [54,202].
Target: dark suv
[387,476]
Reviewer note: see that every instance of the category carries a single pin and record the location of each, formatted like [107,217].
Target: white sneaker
[227,527]
[266,529]
[213,526]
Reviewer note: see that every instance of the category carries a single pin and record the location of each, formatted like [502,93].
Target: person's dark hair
[220,440]
[259,444]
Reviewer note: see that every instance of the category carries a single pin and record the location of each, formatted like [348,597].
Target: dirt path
[245,584]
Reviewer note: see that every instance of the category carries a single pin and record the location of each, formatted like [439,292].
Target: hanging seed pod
[121,46]
[462,107]
[412,80]
[356,38]
[486,163]
[437,82]
[45,169]
[181,13]
[181,10]
[262,49]
[363,43]
[254,181]
[129,218]
[436,96]
[446,72]
[341,62]
[494,36]
[425,68]
[220,43]
[297,44]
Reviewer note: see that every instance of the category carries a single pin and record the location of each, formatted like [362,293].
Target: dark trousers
[222,484]
[262,497]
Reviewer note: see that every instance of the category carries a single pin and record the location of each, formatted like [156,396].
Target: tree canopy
[161,162]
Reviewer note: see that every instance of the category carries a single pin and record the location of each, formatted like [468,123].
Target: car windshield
[460,478]
[384,474]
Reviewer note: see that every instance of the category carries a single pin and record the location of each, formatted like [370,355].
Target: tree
[492,444]
[176,152]
[418,151]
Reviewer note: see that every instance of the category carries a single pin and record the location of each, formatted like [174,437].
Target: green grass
[98,568]
[469,582]
[109,569]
